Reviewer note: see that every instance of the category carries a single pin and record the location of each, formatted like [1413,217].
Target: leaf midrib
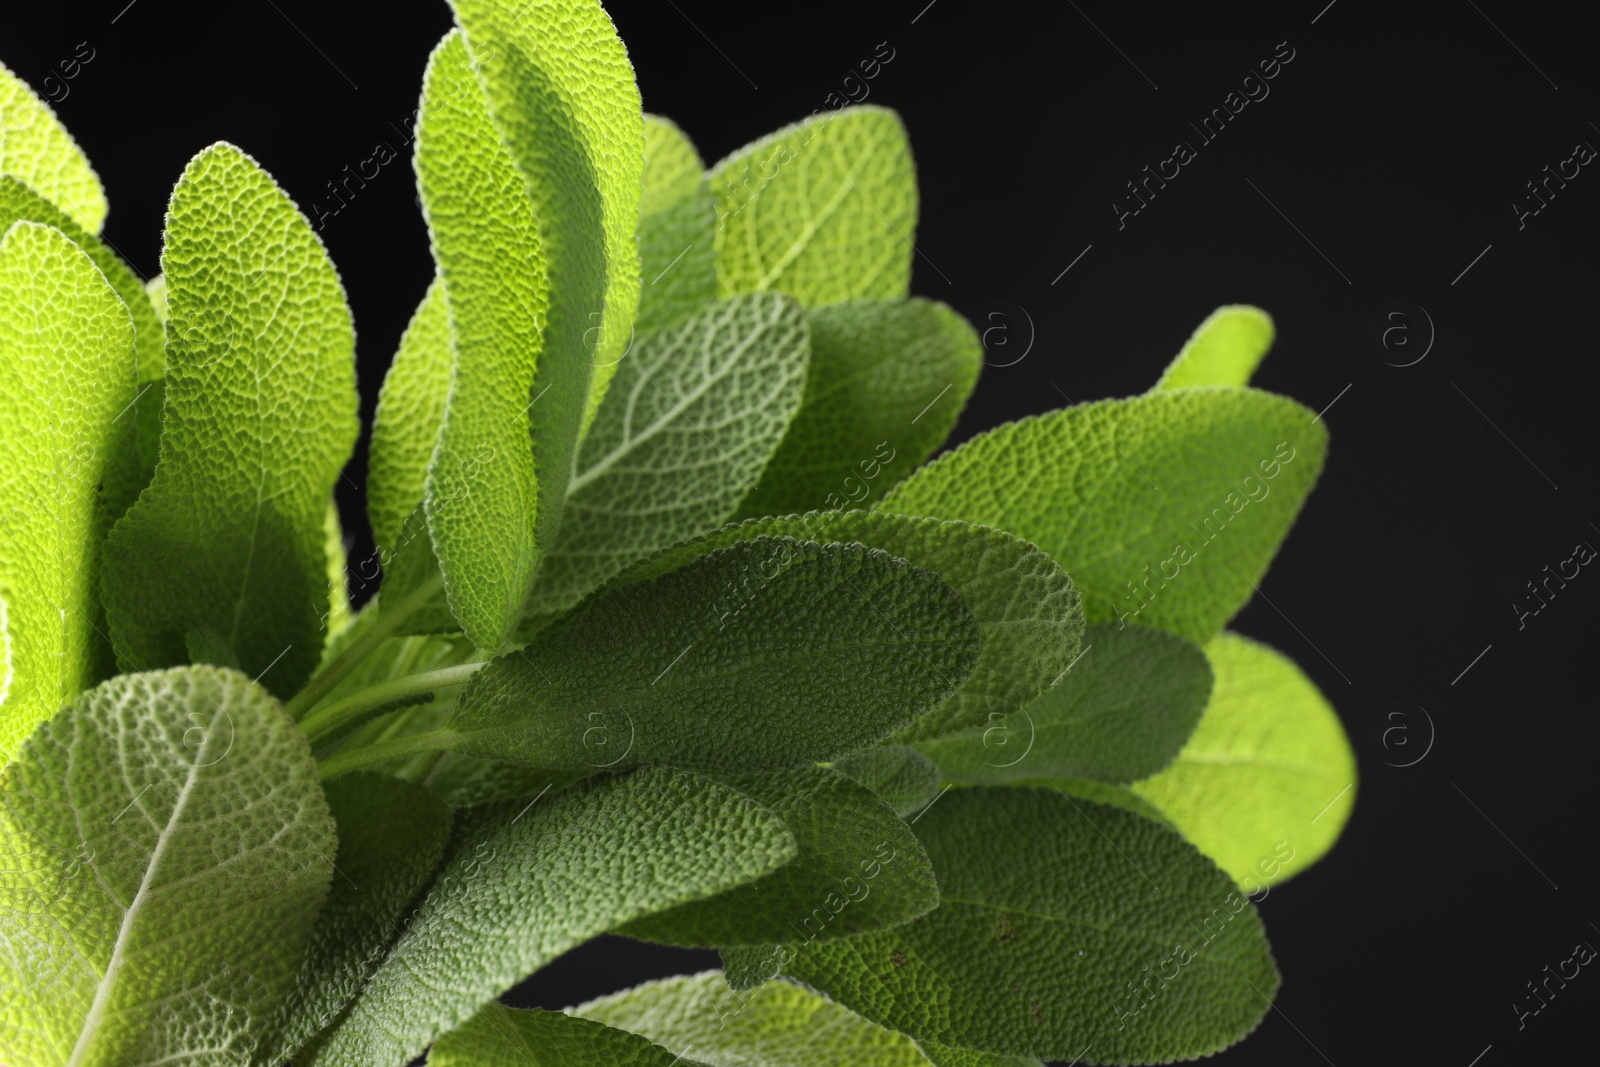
[102,996]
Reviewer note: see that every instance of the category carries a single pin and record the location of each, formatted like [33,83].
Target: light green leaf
[1056,913]
[67,360]
[565,101]
[405,427]
[677,230]
[167,849]
[944,1056]
[260,416]
[20,203]
[392,835]
[887,381]
[1118,796]
[902,776]
[1122,712]
[523,883]
[777,1025]
[1025,605]
[760,656]
[859,868]
[499,1036]
[1266,783]
[38,150]
[1165,508]
[1225,349]
[824,210]
[484,497]
[339,614]
[695,413]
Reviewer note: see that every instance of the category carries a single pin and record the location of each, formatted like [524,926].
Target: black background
[1384,161]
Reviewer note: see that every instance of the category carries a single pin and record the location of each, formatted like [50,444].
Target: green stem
[422,767]
[376,698]
[384,751]
[390,617]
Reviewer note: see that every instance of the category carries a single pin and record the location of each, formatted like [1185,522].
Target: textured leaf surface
[902,776]
[564,99]
[167,849]
[859,868]
[499,1036]
[260,416]
[1269,763]
[693,415]
[38,150]
[405,427]
[66,358]
[523,883]
[1165,508]
[392,835]
[824,210]
[777,1025]
[887,381]
[1122,712]
[1025,605]
[1225,349]
[1054,912]
[760,656]
[484,497]
[677,230]
[944,1056]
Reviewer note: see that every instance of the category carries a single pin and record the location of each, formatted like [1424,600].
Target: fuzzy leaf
[260,416]
[677,230]
[499,1036]
[1122,712]
[902,776]
[523,882]
[777,1025]
[1025,605]
[835,646]
[37,150]
[1225,349]
[67,360]
[167,849]
[694,414]
[1165,508]
[1053,909]
[565,102]
[392,835]
[1268,764]
[485,498]
[887,381]
[858,868]
[824,210]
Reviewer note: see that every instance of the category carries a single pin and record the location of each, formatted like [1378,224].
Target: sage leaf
[38,151]
[1225,349]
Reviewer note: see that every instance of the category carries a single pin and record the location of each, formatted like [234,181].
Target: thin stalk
[375,698]
[384,751]
[390,617]
[421,767]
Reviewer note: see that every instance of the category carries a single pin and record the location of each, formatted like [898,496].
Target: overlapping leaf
[1122,712]
[1026,607]
[1165,508]
[167,850]
[695,412]
[762,655]
[1267,782]
[260,415]
[38,150]
[565,101]
[523,883]
[858,868]
[499,1036]
[67,361]
[902,776]
[1054,913]
[824,210]
[887,381]
[777,1025]
[677,230]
